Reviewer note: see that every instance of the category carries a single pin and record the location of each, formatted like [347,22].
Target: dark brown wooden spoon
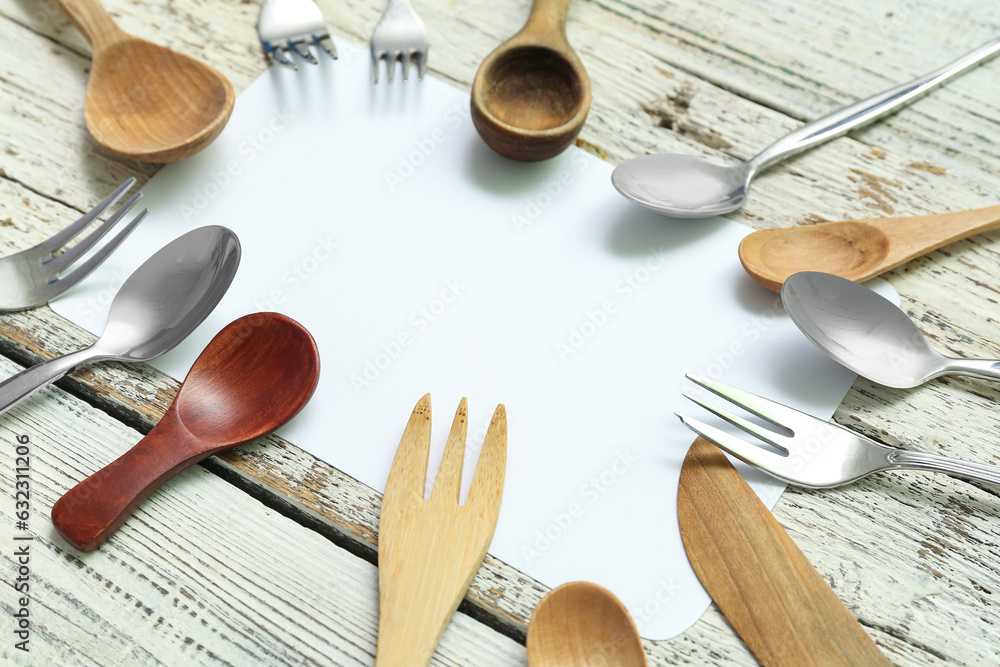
[254,376]
[531,95]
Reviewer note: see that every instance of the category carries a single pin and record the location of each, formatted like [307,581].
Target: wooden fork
[430,550]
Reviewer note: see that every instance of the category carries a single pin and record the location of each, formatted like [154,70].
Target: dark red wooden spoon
[254,376]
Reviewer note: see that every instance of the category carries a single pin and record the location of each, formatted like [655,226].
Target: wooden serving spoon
[531,95]
[766,588]
[144,101]
[255,375]
[579,624]
[856,249]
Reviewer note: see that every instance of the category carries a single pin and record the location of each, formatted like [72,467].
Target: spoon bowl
[160,304]
[683,186]
[531,95]
[869,334]
[254,376]
[689,187]
[580,620]
[144,101]
[856,249]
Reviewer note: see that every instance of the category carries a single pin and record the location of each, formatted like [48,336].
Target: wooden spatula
[430,550]
[774,598]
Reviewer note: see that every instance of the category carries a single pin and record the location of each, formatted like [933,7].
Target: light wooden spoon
[579,622]
[856,249]
[144,101]
[531,95]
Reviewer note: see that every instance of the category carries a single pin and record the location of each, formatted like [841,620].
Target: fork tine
[390,63]
[421,63]
[406,61]
[65,236]
[277,55]
[409,466]
[303,52]
[752,454]
[768,436]
[62,261]
[326,44]
[776,413]
[59,286]
[448,483]
[487,482]
[376,59]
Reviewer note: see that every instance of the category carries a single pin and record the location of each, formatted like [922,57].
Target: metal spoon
[869,334]
[581,622]
[162,302]
[687,186]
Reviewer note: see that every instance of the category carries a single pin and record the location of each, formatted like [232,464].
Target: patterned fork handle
[430,550]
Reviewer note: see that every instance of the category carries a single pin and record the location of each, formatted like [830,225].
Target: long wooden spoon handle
[770,593]
[89,513]
[90,18]
[547,21]
[918,235]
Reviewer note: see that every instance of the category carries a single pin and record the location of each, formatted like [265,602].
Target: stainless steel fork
[400,35]
[817,454]
[293,25]
[31,277]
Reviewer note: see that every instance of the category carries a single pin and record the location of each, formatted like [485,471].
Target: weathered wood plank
[201,574]
[727,77]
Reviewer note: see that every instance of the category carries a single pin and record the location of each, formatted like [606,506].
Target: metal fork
[293,25]
[31,277]
[400,35]
[430,550]
[817,454]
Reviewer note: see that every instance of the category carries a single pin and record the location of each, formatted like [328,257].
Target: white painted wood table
[266,556]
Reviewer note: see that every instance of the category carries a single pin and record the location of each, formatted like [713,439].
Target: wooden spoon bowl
[579,622]
[856,249]
[254,376]
[146,102]
[531,95]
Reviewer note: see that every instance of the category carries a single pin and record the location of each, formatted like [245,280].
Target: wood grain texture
[203,574]
[580,624]
[912,556]
[429,550]
[252,377]
[773,596]
[145,102]
[531,95]
[856,249]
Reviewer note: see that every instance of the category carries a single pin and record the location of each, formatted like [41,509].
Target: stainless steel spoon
[869,334]
[687,186]
[162,302]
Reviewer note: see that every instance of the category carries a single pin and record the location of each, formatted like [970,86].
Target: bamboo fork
[429,550]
